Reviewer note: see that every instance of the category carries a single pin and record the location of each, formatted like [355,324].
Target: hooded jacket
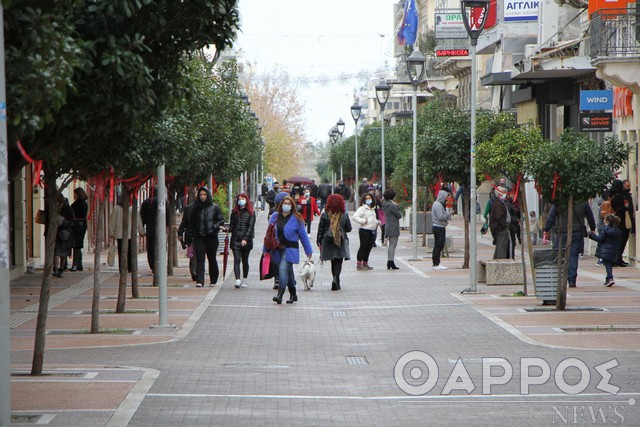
[206,218]
[439,213]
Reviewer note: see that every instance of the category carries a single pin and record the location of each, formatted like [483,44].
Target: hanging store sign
[596,100]
[450,26]
[596,122]
[622,106]
[446,53]
[515,10]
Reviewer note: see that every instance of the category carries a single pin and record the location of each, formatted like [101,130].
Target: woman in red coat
[308,208]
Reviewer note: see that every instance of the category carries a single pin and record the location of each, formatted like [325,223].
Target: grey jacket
[439,213]
[392,216]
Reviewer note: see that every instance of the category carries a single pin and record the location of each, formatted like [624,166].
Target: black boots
[335,283]
[293,298]
[57,272]
[278,298]
[391,265]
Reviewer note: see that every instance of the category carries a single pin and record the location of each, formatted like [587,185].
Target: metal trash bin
[545,262]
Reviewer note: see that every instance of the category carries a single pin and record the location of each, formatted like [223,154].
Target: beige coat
[115,224]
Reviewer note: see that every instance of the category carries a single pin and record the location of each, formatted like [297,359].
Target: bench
[500,272]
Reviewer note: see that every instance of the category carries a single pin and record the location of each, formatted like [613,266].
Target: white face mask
[286,208]
[368,202]
[242,202]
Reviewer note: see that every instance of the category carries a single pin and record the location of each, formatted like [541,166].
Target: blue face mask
[368,202]
[286,208]
[242,202]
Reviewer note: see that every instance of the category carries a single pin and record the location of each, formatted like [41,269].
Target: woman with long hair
[80,210]
[290,231]
[366,217]
[392,227]
[332,236]
[242,224]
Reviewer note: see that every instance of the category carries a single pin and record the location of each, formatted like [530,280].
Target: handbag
[627,221]
[41,217]
[190,251]
[111,255]
[270,239]
[485,228]
[267,267]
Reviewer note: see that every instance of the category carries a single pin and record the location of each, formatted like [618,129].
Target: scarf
[334,218]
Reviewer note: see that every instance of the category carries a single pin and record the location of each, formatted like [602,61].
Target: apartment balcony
[614,46]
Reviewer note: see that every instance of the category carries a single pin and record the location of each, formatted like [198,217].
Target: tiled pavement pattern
[237,358]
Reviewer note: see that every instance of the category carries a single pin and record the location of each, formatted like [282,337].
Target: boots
[361,266]
[391,265]
[334,284]
[278,298]
[367,266]
[293,298]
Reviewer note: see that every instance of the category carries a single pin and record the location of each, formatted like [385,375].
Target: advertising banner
[515,10]
[596,122]
[596,100]
[450,26]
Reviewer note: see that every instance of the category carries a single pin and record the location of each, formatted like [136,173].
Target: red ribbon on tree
[556,183]
[37,165]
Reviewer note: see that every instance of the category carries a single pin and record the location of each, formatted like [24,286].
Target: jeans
[577,242]
[206,246]
[286,276]
[608,266]
[439,240]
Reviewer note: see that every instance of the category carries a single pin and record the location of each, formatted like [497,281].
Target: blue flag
[408,30]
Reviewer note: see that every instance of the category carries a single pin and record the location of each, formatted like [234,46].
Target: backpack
[605,208]
[271,238]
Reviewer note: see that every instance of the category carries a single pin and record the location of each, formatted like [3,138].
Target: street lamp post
[474,13]
[338,130]
[415,68]
[334,135]
[382,95]
[356,110]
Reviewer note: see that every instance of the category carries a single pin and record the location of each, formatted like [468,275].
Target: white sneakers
[440,267]
[240,284]
[237,285]
[199,285]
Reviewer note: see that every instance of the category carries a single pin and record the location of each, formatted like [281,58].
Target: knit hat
[280,197]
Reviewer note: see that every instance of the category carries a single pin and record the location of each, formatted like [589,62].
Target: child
[609,239]
[534,229]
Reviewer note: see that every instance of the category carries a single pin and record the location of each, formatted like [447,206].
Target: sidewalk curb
[134,398]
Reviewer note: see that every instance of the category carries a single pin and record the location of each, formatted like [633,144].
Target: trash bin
[545,262]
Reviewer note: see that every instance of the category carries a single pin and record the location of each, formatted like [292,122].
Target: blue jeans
[577,243]
[286,276]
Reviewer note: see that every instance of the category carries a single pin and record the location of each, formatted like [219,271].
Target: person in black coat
[323,192]
[242,227]
[204,225]
[609,241]
[345,192]
[186,239]
[80,210]
[149,214]
[64,234]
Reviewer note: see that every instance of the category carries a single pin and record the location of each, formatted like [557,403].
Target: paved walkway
[236,358]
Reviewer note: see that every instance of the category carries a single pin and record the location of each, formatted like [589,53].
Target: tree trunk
[561,300]
[95,301]
[135,291]
[50,242]
[466,215]
[124,253]
[524,210]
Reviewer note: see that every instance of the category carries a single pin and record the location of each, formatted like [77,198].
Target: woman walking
[609,241]
[332,236]
[242,224]
[392,228]
[308,208]
[290,231]
[366,217]
[80,210]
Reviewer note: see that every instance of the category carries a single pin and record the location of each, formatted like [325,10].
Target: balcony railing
[613,33]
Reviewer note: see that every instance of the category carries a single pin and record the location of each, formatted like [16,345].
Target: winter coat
[206,218]
[499,217]
[439,215]
[64,233]
[344,191]
[148,214]
[115,224]
[183,229]
[80,211]
[392,215]
[581,212]
[325,190]
[294,232]
[328,248]
[308,210]
[366,217]
[609,240]
[242,228]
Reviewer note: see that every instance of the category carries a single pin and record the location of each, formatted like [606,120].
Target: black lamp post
[334,134]
[356,110]
[474,15]
[382,95]
[415,68]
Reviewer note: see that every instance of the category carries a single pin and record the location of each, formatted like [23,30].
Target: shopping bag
[41,217]
[111,255]
[266,267]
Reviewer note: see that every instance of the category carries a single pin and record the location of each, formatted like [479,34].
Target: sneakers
[199,285]
[237,285]
[609,283]
[244,283]
[440,267]
[599,263]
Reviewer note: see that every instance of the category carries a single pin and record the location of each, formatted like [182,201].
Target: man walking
[324,191]
[440,217]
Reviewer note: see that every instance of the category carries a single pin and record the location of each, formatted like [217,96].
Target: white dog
[308,274]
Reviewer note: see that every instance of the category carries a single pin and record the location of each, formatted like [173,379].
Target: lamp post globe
[340,126]
[382,95]
[415,69]
[356,111]
[474,16]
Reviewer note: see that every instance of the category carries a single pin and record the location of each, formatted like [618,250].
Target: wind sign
[596,100]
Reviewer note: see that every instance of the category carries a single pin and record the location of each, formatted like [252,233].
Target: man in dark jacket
[499,221]
[364,187]
[184,235]
[345,192]
[323,192]
[271,198]
[264,190]
[149,214]
[581,212]
[204,224]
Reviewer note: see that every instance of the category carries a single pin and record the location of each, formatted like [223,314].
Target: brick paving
[236,358]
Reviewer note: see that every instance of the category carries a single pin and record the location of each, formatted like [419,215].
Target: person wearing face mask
[290,232]
[271,197]
[242,224]
[205,222]
[308,207]
[366,217]
[440,217]
[499,220]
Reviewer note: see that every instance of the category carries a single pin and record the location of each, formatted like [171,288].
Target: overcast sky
[329,46]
